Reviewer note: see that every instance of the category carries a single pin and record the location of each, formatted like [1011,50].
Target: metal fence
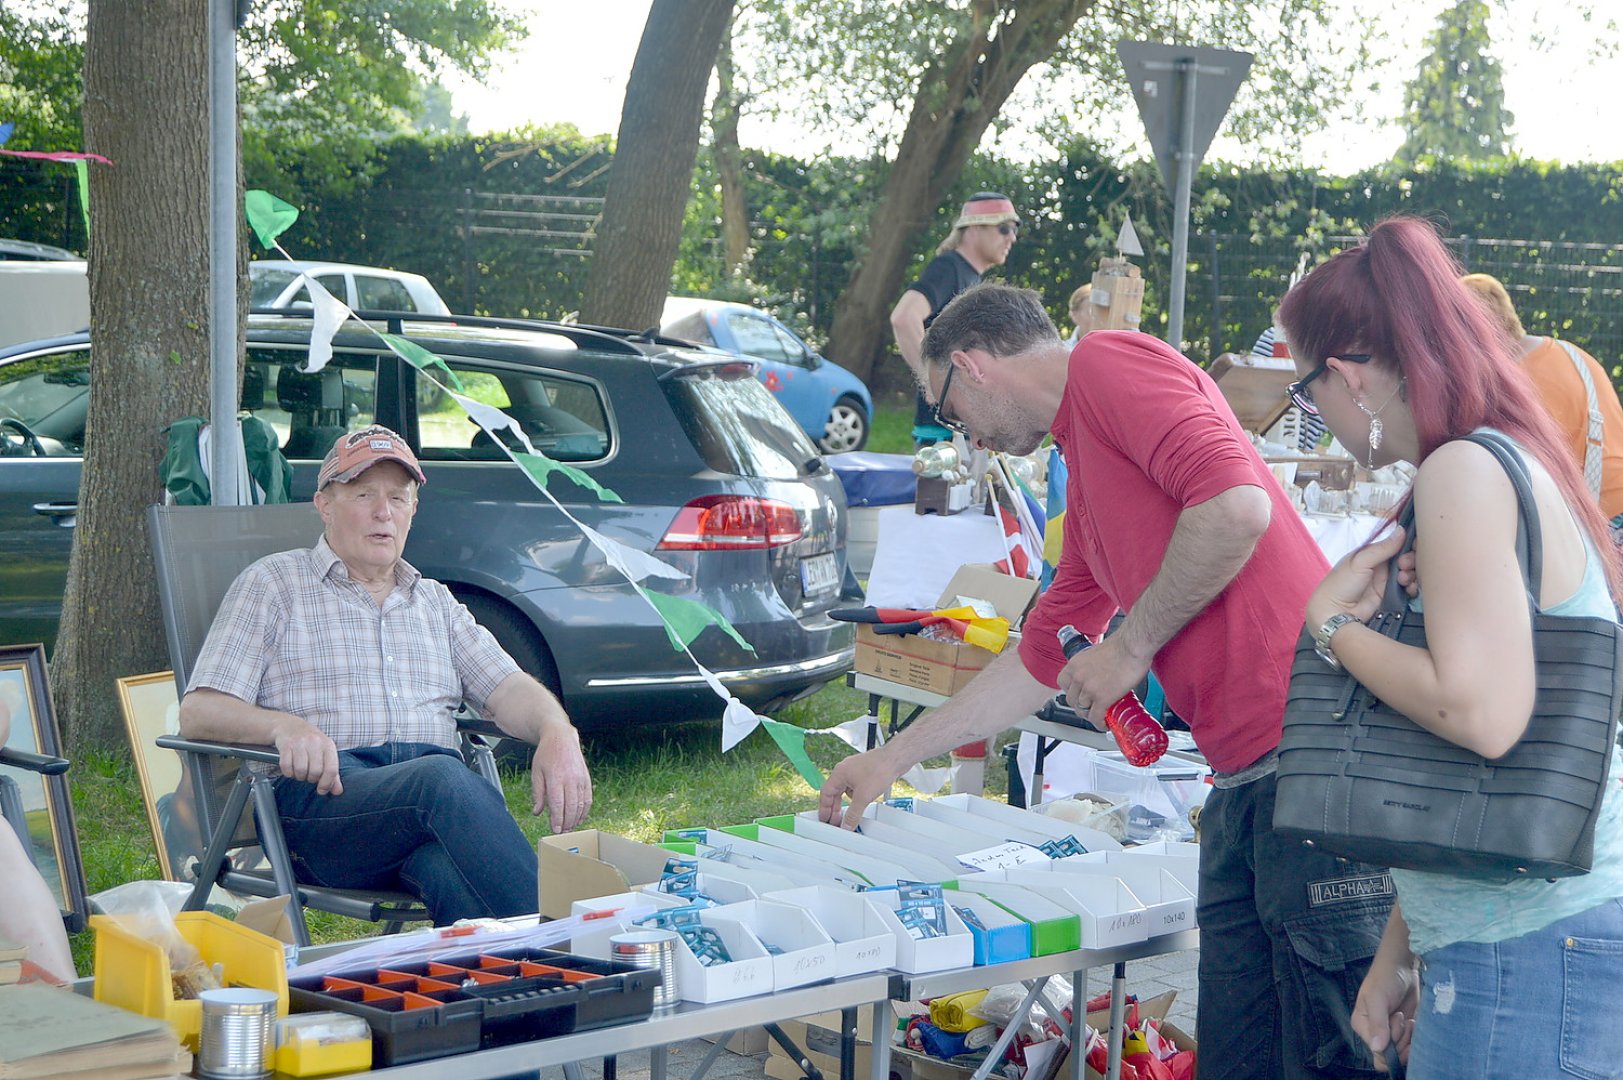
[1571,290]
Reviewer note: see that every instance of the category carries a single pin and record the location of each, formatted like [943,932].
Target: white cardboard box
[1168,905]
[624,905]
[1109,911]
[905,862]
[720,889]
[862,940]
[1186,870]
[748,973]
[1007,817]
[915,956]
[864,869]
[802,868]
[807,951]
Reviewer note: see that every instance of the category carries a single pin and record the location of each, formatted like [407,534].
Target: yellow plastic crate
[134,973]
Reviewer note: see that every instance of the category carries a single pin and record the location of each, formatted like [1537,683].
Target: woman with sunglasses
[1401,361]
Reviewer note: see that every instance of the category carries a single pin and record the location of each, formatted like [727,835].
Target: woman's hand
[1356,583]
[1384,1012]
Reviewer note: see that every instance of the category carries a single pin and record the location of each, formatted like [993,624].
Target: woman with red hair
[1472,978]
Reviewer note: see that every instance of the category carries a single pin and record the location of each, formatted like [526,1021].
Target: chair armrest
[246,751]
[40,763]
[472,724]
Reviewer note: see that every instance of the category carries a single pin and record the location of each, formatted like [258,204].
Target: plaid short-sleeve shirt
[297,634]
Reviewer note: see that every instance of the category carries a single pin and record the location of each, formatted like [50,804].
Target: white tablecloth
[917,554]
[1338,534]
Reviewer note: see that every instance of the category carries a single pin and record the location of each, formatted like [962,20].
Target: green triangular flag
[685,619]
[269,216]
[421,359]
[82,168]
[792,741]
[540,467]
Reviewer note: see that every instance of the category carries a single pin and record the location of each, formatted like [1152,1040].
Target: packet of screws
[688,834]
[707,946]
[969,916]
[1059,849]
[679,878]
[904,802]
[676,918]
[921,909]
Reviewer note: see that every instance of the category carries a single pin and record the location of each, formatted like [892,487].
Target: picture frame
[150,705]
[48,830]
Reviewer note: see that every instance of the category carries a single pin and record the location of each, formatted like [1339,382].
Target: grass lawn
[645,780]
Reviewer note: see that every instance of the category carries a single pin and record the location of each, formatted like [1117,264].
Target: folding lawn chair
[198,551]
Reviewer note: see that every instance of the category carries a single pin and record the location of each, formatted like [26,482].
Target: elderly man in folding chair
[351,664]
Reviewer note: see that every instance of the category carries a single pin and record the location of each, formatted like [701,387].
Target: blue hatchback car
[828,401]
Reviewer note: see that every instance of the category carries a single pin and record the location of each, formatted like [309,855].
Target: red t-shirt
[1146,433]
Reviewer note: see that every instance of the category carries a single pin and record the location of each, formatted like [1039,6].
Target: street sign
[1183,92]
[1155,73]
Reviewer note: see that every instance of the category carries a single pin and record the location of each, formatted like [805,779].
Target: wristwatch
[1322,636]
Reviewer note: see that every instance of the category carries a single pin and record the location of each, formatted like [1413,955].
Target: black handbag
[1360,780]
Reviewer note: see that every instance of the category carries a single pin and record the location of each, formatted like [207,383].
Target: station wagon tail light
[732,523]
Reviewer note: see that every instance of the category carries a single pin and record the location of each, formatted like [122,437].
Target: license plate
[819,574]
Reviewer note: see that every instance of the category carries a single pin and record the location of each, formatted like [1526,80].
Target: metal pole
[1185,156]
[226,443]
[470,265]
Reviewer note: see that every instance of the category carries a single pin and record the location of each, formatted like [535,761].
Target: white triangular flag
[1127,240]
[635,565]
[491,418]
[737,722]
[928,781]
[328,314]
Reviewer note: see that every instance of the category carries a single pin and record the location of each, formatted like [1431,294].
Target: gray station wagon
[717,480]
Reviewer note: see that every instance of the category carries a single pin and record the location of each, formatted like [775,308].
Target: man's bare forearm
[526,710]
[1210,545]
[997,697]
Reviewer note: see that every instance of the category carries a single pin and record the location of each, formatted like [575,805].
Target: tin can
[649,950]
[235,1043]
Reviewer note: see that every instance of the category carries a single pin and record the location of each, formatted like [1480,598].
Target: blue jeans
[412,817]
[1548,1003]
[1286,937]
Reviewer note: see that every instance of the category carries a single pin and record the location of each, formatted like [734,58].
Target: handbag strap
[1529,538]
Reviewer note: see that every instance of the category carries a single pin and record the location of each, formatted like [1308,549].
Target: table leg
[1079,1022]
[572,1071]
[659,1061]
[848,1043]
[1118,1018]
[882,1027]
[709,1058]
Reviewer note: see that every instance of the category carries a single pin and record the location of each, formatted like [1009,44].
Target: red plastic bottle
[1141,738]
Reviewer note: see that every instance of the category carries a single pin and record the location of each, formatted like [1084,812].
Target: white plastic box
[1169,905]
[747,974]
[862,940]
[806,952]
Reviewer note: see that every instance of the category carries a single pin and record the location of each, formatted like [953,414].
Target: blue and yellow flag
[1054,530]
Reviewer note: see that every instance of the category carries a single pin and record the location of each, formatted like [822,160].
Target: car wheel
[847,427]
[515,634]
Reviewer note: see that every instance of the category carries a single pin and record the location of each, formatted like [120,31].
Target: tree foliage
[1454,107]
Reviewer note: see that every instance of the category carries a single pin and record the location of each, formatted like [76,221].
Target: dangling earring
[1376,428]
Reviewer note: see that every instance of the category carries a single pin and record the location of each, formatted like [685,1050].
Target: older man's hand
[308,755]
[862,777]
[559,779]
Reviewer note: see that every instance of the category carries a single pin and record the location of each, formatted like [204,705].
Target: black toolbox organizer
[478,1000]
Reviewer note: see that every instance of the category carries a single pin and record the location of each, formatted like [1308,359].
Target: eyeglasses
[1300,394]
[1008,228]
[951,423]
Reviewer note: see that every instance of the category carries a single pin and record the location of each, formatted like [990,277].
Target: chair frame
[236,804]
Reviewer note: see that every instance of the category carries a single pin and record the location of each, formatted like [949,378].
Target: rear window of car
[264,286]
[564,418]
[736,424]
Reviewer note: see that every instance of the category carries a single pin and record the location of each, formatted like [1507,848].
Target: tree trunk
[145,108]
[735,211]
[653,163]
[958,97]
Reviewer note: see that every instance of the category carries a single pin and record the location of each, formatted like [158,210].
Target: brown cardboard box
[747,1042]
[944,667]
[1254,388]
[580,865]
[1155,1008]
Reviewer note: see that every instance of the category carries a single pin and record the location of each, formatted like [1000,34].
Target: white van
[42,299]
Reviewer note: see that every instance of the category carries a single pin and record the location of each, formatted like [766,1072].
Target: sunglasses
[1008,228]
[1300,392]
[951,423]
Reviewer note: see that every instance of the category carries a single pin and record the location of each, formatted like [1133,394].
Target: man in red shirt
[1173,518]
